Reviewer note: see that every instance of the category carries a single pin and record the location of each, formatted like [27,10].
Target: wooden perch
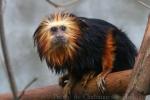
[139,86]
[116,83]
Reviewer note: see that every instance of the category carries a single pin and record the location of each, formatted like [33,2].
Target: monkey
[81,48]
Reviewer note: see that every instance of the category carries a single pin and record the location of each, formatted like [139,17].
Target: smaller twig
[61,5]
[2,60]
[144,4]
[26,87]
[4,5]
[53,4]
[6,55]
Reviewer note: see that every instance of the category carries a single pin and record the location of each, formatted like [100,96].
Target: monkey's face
[56,38]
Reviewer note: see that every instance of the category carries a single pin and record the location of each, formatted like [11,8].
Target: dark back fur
[92,42]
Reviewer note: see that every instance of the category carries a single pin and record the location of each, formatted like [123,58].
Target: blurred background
[22,17]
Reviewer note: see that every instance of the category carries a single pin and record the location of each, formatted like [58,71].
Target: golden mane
[42,38]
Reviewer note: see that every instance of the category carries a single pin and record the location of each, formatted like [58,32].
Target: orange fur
[43,38]
[109,55]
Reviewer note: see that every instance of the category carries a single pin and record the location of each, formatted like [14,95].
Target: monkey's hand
[67,90]
[101,83]
[63,80]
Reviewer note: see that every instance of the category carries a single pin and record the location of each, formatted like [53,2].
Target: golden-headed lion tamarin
[83,47]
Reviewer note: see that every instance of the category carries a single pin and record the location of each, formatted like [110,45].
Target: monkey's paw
[101,83]
[67,91]
[62,81]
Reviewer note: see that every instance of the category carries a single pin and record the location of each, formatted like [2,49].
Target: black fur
[92,41]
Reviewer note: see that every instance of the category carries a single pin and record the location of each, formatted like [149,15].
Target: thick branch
[115,82]
[139,86]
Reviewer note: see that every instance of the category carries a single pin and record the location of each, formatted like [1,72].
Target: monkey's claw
[62,82]
[101,83]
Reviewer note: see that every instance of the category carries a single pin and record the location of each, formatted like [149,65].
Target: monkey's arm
[107,61]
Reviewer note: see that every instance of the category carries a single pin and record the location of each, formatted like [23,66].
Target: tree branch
[115,82]
[26,87]
[144,4]
[5,54]
[62,5]
[139,86]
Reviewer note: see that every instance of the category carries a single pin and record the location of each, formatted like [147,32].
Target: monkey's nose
[59,37]
[59,40]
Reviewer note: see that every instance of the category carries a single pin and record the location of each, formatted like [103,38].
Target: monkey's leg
[63,80]
[107,61]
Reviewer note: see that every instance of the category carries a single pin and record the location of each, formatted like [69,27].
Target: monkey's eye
[54,29]
[62,27]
